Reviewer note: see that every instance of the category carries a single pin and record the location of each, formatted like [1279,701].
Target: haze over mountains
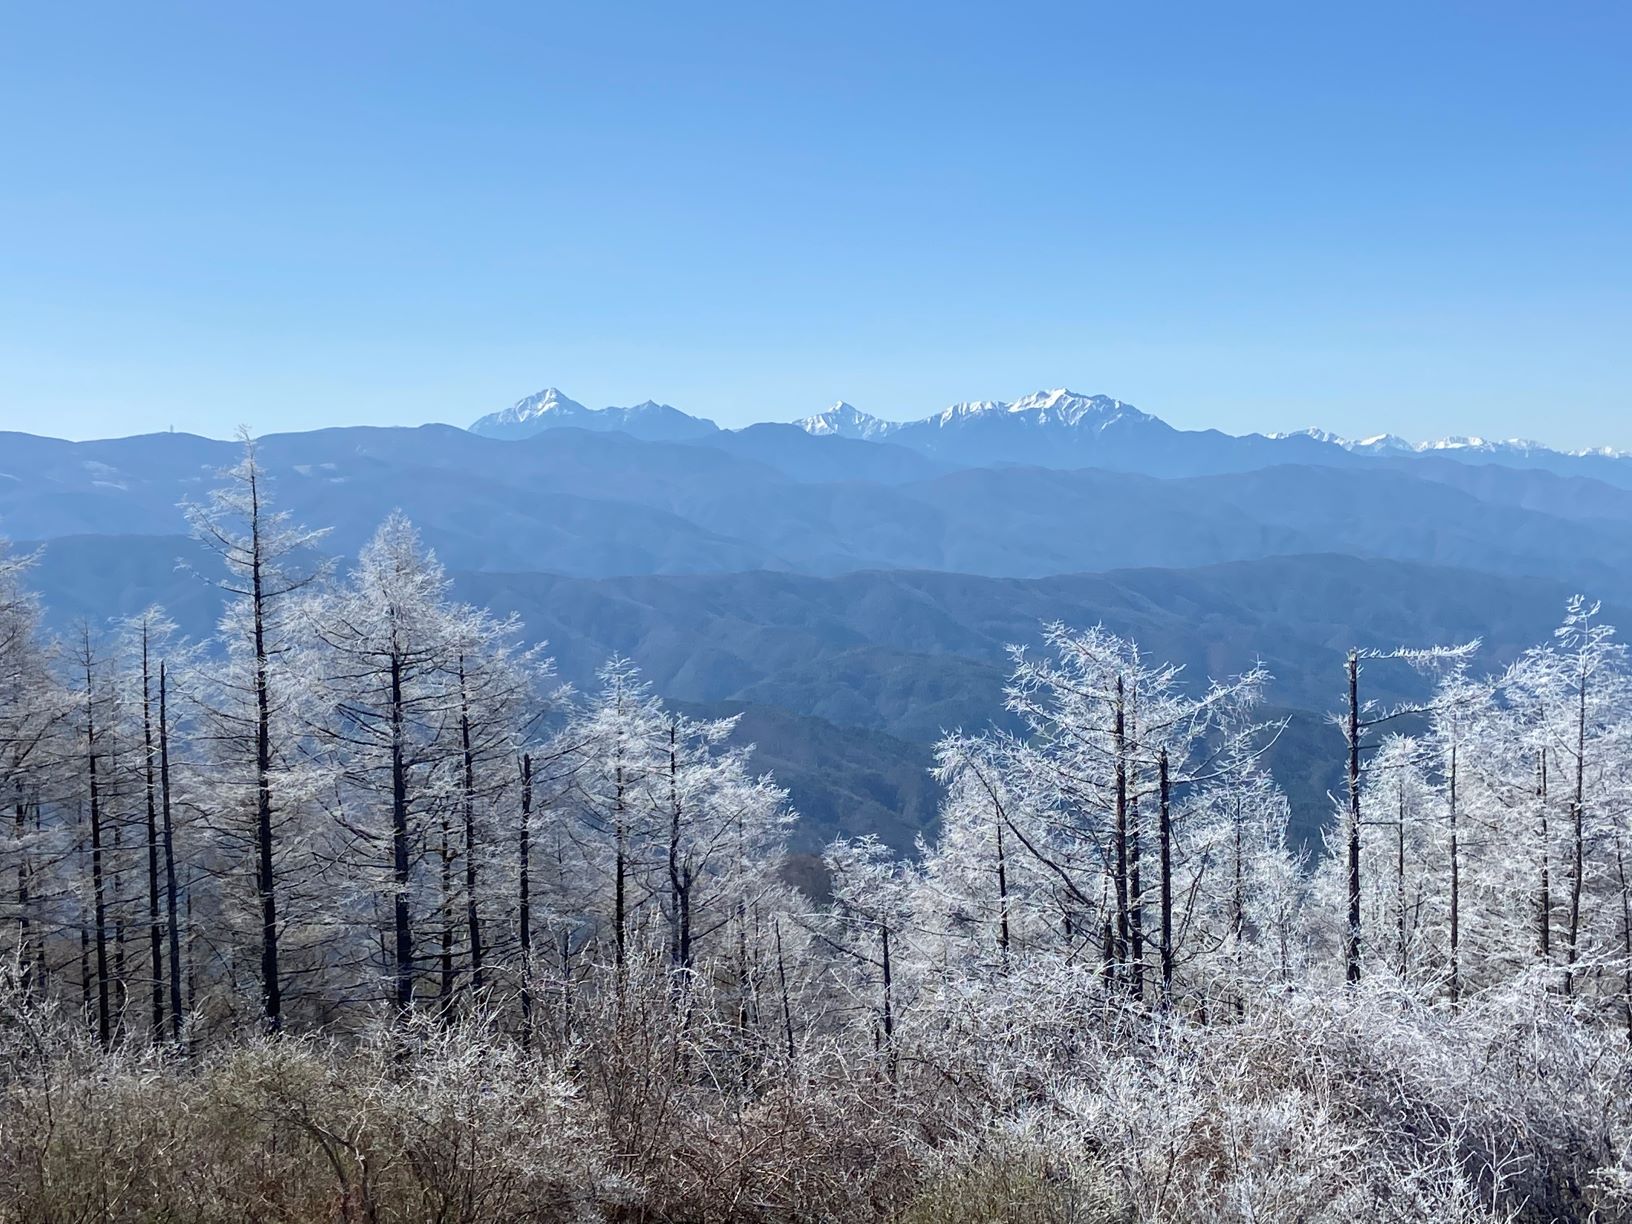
[1059,428]
[852,581]
[549,409]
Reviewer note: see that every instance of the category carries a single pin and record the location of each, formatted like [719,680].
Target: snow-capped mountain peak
[550,409]
[968,408]
[1060,406]
[1313,434]
[531,407]
[1393,444]
[1379,443]
[1057,427]
[1482,445]
[845,420]
[1069,408]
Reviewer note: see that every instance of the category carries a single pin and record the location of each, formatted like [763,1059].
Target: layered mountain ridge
[1061,428]
[1393,444]
[550,409]
[851,581]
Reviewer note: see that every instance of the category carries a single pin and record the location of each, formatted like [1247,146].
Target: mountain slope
[1058,428]
[1061,428]
[847,421]
[814,457]
[903,657]
[549,409]
[916,653]
[842,780]
[604,503]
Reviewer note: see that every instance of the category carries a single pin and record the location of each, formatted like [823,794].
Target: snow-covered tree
[36,708]
[1087,841]
[255,715]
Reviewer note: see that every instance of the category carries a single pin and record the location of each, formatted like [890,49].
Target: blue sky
[1412,217]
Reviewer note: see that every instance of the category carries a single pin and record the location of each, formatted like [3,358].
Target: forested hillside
[599,504]
[887,661]
[359,902]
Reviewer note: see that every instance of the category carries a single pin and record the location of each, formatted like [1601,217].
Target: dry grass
[1339,1110]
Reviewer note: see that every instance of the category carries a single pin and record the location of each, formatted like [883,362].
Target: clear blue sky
[1413,217]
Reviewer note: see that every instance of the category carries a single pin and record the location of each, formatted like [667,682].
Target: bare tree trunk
[1002,893]
[1136,898]
[889,986]
[473,913]
[524,906]
[1578,816]
[1399,884]
[401,920]
[1164,830]
[25,937]
[680,951]
[1123,931]
[173,933]
[1626,938]
[265,881]
[782,986]
[1456,887]
[1136,888]
[155,933]
[1238,905]
[1351,942]
[42,968]
[1544,900]
[620,870]
[104,1027]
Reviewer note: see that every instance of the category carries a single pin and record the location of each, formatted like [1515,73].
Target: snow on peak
[548,408]
[1056,409]
[1059,406]
[1312,433]
[1455,444]
[969,408]
[1601,452]
[1379,443]
[845,420]
[1374,444]
[528,408]
[530,414]
[551,403]
[1482,445]
[1070,408]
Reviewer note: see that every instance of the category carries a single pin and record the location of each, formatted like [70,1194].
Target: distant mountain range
[1393,444]
[1061,429]
[850,581]
[549,409]
[773,497]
